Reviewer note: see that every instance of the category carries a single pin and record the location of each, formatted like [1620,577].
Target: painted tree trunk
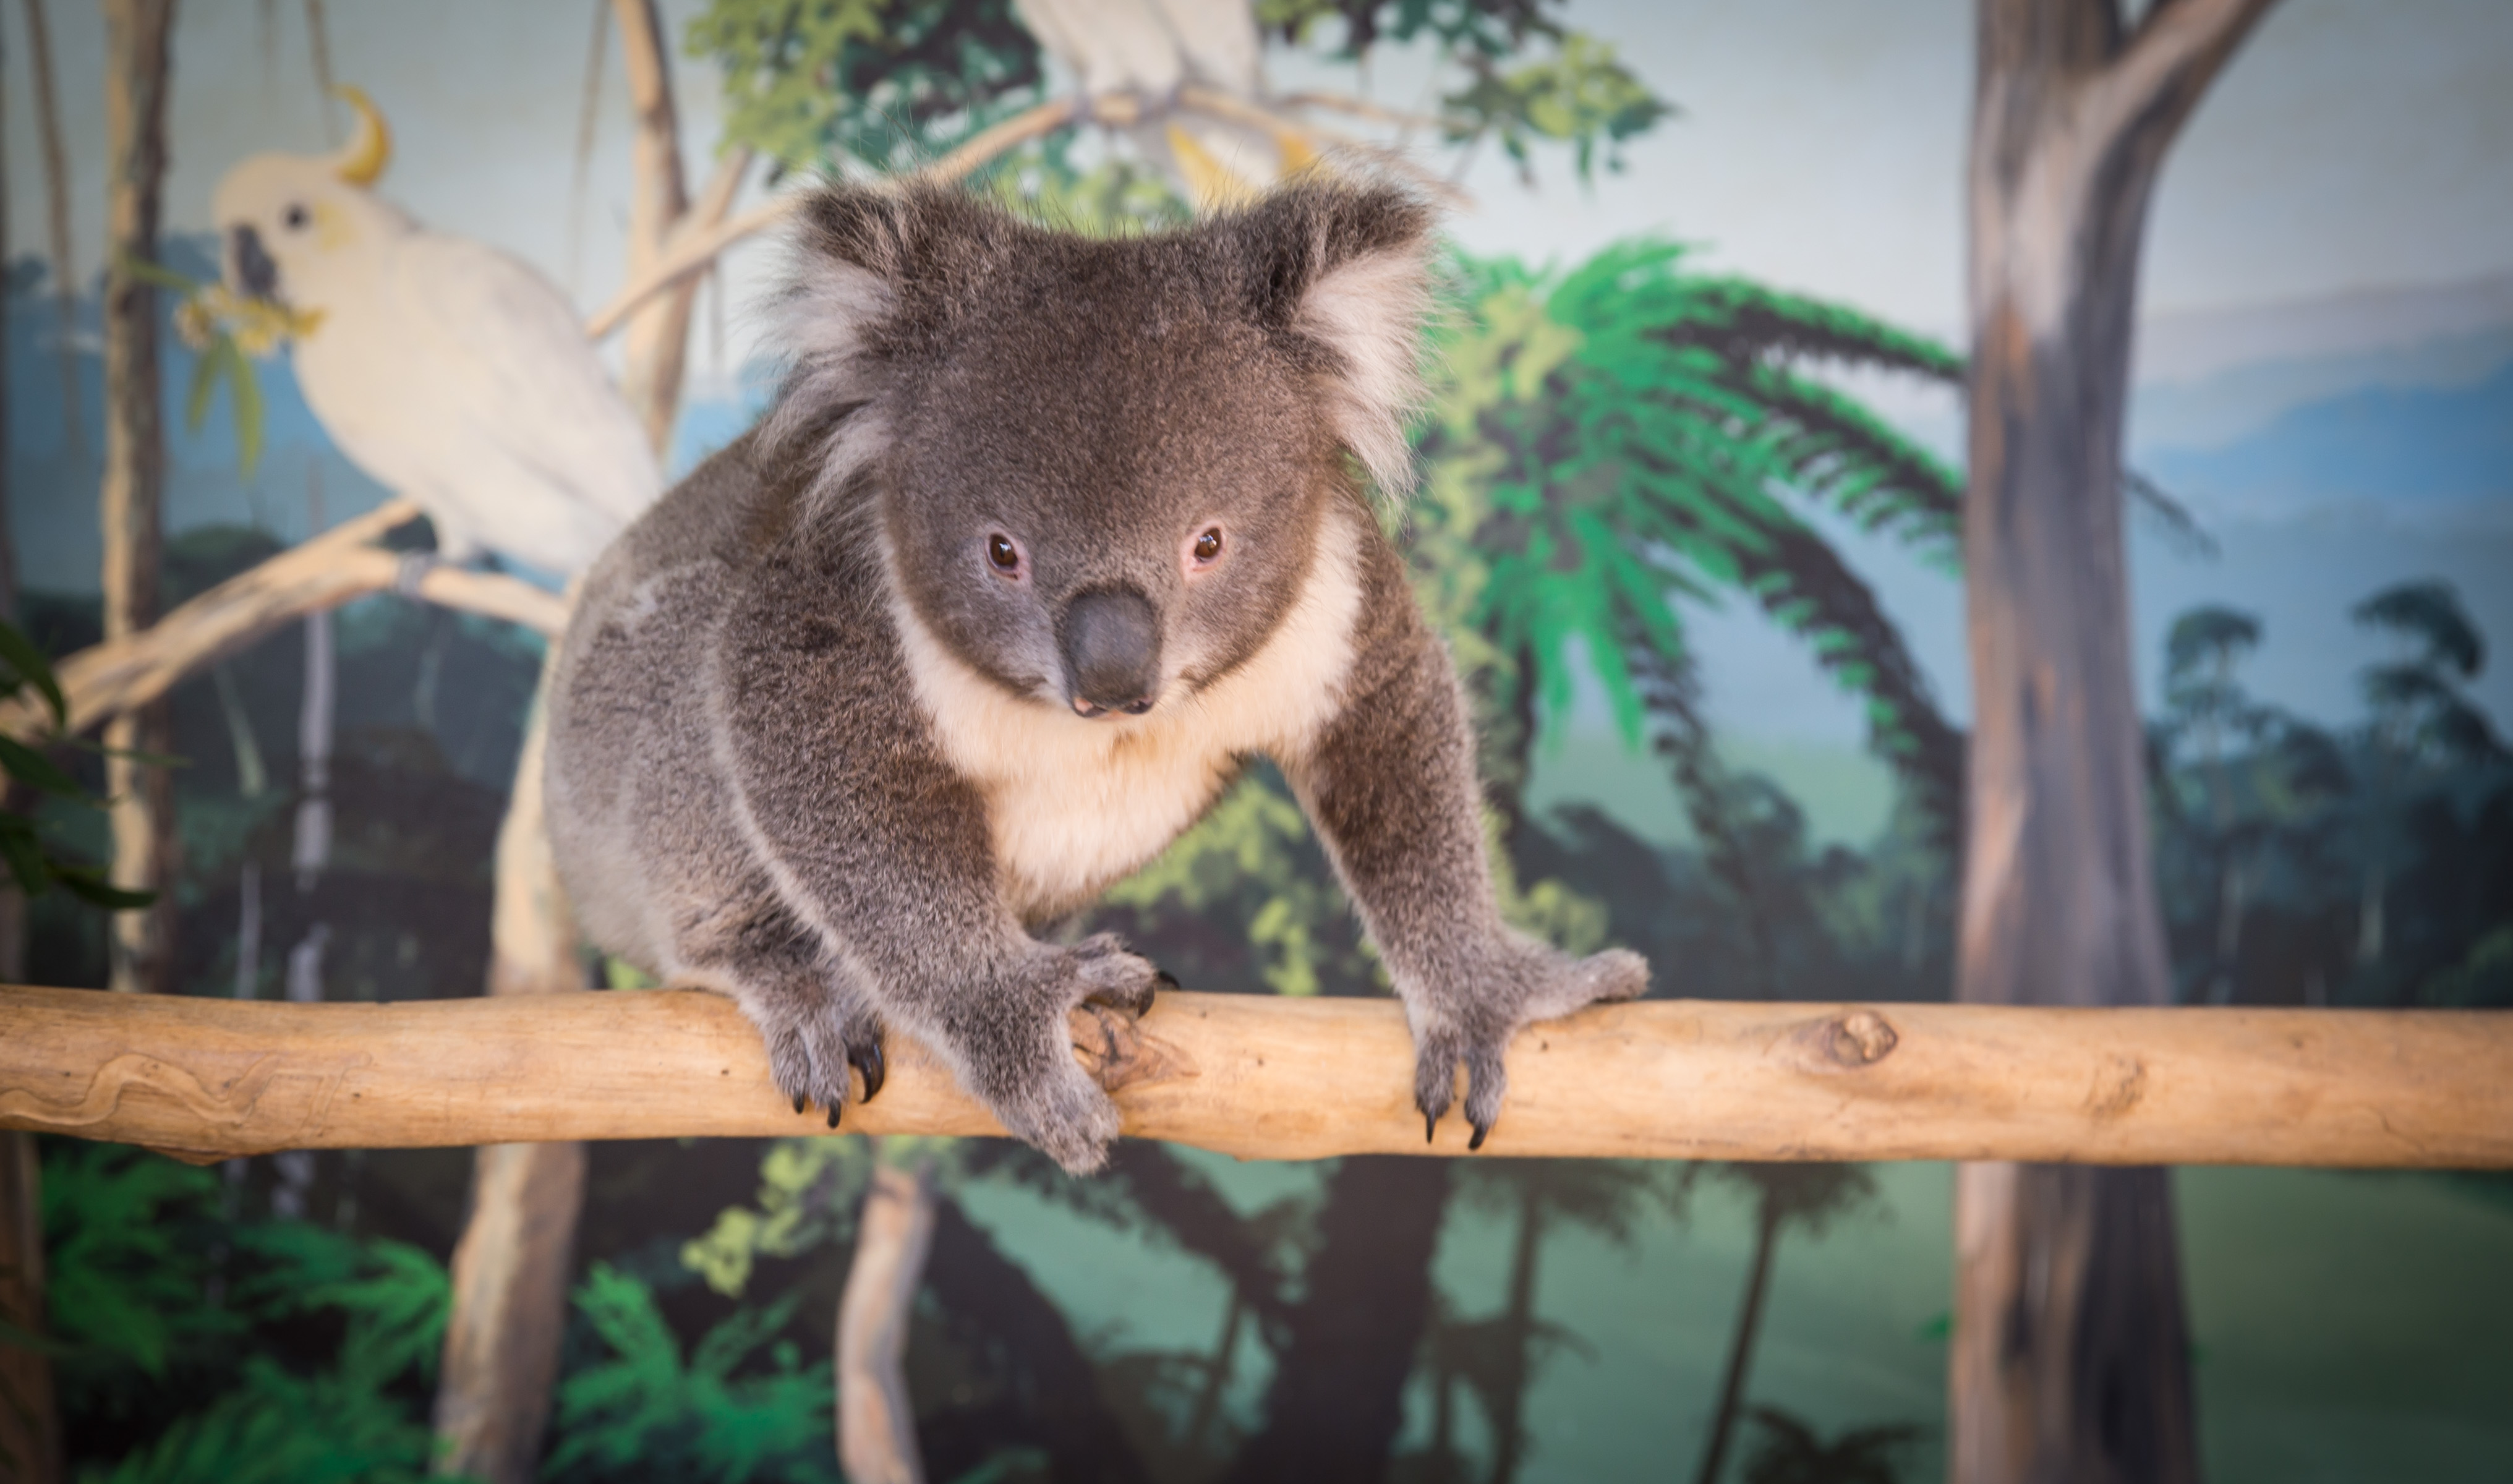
[511,1266]
[30,1443]
[1509,1423]
[1740,1347]
[57,206]
[1338,1395]
[1216,1375]
[2070,1360]
[511,1270]
[658,334]
[30,1426]
[136,77]
[998,1315]
[876,1414]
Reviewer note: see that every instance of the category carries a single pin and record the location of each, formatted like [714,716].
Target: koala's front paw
[810,1044]
[1027,1075]
[1474,1023]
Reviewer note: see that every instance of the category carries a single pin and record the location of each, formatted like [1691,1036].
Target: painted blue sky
[2354,143]
[2329,281]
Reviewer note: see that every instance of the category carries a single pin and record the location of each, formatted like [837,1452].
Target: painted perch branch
[106,680]
[1267,1078]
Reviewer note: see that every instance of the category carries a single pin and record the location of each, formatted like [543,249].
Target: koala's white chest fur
[1075,804]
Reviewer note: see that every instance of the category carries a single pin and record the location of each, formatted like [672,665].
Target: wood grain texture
[1265,1078]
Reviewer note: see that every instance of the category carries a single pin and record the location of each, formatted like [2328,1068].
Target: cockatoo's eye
[296,219]
[1003,554]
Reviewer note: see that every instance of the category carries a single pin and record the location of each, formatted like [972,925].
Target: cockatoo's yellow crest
[362,161]
[1215,186]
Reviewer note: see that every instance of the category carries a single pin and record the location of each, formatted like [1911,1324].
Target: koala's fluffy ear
[1346,268]
[873,270]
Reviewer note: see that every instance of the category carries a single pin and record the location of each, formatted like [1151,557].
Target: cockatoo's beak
[250,271]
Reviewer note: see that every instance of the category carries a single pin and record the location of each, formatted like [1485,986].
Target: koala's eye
[1208,546]
[1001,551]
[296,219]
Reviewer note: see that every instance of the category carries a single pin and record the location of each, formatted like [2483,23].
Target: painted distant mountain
[2379,448]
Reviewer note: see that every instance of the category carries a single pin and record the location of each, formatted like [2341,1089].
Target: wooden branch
[109,679]
[1269,1078]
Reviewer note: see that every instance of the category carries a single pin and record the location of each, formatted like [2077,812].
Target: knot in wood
[1112,1048]
[1854,1038]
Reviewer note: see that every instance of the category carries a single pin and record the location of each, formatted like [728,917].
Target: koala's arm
[1391,785]
[876,842]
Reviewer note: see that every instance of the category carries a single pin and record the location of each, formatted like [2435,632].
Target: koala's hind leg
[816,1020]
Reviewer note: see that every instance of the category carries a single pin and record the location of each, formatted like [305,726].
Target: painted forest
[1623,450]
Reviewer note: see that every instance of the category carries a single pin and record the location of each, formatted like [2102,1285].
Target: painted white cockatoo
[1151,49]
[452,374]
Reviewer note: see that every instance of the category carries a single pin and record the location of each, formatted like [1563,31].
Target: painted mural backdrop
[1689,518]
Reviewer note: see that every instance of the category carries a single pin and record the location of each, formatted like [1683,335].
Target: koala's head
[1100,467]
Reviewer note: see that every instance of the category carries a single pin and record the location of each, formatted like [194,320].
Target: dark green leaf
[156,274]
[21,656]
[33,768]
[88,884]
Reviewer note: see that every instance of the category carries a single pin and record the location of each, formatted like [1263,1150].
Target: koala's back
[644,818]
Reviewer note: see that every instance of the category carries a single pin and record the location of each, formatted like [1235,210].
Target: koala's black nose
[254,269]
[1112,652]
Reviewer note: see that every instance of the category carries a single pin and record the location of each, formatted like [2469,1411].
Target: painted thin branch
[1231,109]
[1364,108]
[689,253]
[340,565]
[692,254]
[1271,1078]
[2176,52]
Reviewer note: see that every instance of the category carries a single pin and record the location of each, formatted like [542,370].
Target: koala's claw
[1542,988]
[1031,1080]
[810,1047]
[867,1059]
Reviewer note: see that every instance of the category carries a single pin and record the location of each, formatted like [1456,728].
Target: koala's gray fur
[813,746]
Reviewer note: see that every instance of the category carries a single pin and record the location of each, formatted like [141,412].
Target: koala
[1043,539]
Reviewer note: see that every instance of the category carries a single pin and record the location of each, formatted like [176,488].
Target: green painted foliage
[1629,433]
[281,1427]
[1529,77]
[714,1414]
[811,83]
[149,1284]
[36,862]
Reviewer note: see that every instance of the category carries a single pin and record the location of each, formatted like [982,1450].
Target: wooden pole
[1267,1078]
